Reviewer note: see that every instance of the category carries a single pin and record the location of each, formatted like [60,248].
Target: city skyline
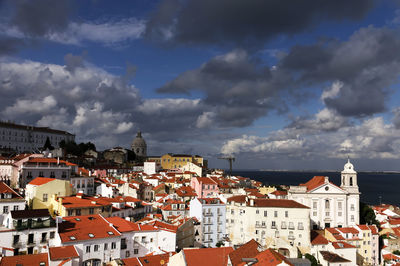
[277,85]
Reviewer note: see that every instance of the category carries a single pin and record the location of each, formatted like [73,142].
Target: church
[330,205]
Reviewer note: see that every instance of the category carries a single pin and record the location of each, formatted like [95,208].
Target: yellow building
[81,205]
[266,190]
[41,189]
[174,161]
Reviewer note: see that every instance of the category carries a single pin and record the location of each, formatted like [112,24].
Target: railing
[220,214]
[33,224]
[291,237]
[273,226]
[207,214]
[291,227]
[207,222]
[208,232]
[17,244]
[207,240]
[283,226]
[33,242]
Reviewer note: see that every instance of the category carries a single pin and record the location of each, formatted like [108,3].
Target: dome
[139,145]
[348,167]
[139,141]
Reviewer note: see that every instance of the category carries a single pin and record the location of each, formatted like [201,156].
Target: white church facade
[330,205]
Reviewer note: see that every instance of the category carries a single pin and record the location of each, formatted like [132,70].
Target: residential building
[274,223]
[331,206]
[174,208]
[39,191]
[95,239]
[10,168]
[22,138]
[211,212]
[138,240]
[175,161]
[83,184]
[80,204]
[28,232]
[204,187]
[9,201]
[46,167]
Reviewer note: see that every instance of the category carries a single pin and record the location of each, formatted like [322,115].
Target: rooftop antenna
[231,159]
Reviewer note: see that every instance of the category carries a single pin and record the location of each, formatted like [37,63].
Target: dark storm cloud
[10,45]
[367,65]
[37,18]
[238,88]
[245,22]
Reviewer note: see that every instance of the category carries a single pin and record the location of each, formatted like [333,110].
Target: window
[5,209]
[44,197]
[96,248]
[143,239]
[340,205]
[70,212]
[91,210]
[113,245]
[16,207]
[300,226]
[327,204]
[41,174]
[257,211]
[315,204]
[52,235]
[286,214]
[352,207]
[273,225]
[352,218]
[87,249]
[265,213]
[275,213]
[78,212]
[105,246]
[136,251]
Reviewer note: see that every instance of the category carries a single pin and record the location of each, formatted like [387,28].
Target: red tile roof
[40,181]
[185,191]
[207,256]
[64,252]
[25,260]
[84,201]
[248,250]
[318,239]
[86,227]
[342,244]
[271,257]
[156,260]
[314,182]
[205,180]
[4,188]
[278,203]
[123,225]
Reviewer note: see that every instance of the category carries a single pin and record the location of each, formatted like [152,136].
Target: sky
[278,84]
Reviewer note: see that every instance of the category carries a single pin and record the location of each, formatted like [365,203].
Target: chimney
[251,202]
[58,160]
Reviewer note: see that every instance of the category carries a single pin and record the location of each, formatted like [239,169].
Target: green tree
[312,259]
[396,252]
[47,145]
[367,215]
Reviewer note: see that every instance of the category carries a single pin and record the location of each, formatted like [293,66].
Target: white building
[27,232]
[274,223]
[151,168]
[331,206]
[211,212]
[140,240]
[46,167]
[95,239]
[84,184]
[21,138]
[9,201]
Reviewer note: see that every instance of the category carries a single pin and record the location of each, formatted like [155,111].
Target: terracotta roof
[64,252]
[84,202]
[348,230]
[315,182]
[156,260]
[49,160]
[318,239]
[333,257]
[210,256]
[79,228]
[278,203]
[342,244]
[210,201]
[279,192]
[123,225]
[25,260]
[131,262]
[205,180]
[186,191]
[40,181]
[271,257]
[248,250]
[6,189]
[164,226]
[240,198]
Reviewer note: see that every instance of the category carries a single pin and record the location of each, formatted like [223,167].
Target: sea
[375,187]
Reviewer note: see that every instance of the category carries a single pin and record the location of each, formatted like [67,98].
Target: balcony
[273,226]
[207,222]
[31,243]
[34,224]
[283,226]
[301,227]
[17,244]
[291,227]
[291,237]
[207,214]
[208,232]
[207,240]
[220,214]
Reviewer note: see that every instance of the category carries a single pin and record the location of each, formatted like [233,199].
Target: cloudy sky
[279,84]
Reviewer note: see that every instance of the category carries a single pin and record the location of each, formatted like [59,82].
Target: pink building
[204,187]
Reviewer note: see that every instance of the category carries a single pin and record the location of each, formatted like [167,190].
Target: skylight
[91,235]
[72,238]
[110,233]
